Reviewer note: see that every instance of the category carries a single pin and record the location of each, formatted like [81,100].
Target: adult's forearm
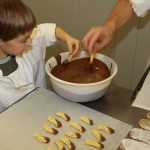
[120,14]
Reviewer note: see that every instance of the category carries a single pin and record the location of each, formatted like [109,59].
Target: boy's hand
[73,46]
[72,43]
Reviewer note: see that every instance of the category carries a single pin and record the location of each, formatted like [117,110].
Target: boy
[23,50]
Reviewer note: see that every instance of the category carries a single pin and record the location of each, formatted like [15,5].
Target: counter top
[27,116]
[117,104]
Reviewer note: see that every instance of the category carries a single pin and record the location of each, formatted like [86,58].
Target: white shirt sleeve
[48,30]
[140,7]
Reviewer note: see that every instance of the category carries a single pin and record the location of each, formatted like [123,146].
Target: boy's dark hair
[15,18]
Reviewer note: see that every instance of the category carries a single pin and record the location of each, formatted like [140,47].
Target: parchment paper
[23,119]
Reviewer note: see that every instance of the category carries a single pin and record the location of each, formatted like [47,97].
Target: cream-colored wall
[130,46]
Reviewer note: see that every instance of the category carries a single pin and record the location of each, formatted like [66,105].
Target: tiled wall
[130,46]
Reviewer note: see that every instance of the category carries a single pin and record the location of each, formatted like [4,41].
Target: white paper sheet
[22,120]
[142,99]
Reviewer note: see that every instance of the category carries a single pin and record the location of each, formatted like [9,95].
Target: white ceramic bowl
[81,92]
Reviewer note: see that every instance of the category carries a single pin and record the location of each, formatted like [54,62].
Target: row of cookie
[53,131]
[99,136]
[77,126]
[58,124]
[71,146]
[86,120]
[140,137]
[71,134]
[67,118]
[96,144]
[59,142]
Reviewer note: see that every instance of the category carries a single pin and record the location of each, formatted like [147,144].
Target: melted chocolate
[80,71]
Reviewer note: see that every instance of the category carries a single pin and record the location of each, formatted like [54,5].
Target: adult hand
[97,38]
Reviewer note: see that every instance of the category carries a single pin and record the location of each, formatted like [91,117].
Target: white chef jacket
[140,7]
[30,72]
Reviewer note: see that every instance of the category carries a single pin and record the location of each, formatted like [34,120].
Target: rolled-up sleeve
[140,7]
[48,30]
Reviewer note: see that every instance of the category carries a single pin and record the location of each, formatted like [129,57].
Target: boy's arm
[72,43]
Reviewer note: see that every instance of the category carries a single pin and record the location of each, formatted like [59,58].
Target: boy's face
[17,45]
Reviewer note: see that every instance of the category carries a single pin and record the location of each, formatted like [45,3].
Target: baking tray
[23,119]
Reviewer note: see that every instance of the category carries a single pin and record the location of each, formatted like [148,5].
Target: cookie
[130,144]
[106,129]
[73,134]
[69,144]
[140,135]
[59,145]
[93,143]
[48,129]
[63,115]
[54,121]
[145,124]
[41,138]
[77,126]
[99,136]
[148,115]
[86,120]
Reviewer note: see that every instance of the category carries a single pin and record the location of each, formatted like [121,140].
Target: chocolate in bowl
[80,92]
[80,71]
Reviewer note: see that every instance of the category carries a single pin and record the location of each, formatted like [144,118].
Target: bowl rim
[81,84]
